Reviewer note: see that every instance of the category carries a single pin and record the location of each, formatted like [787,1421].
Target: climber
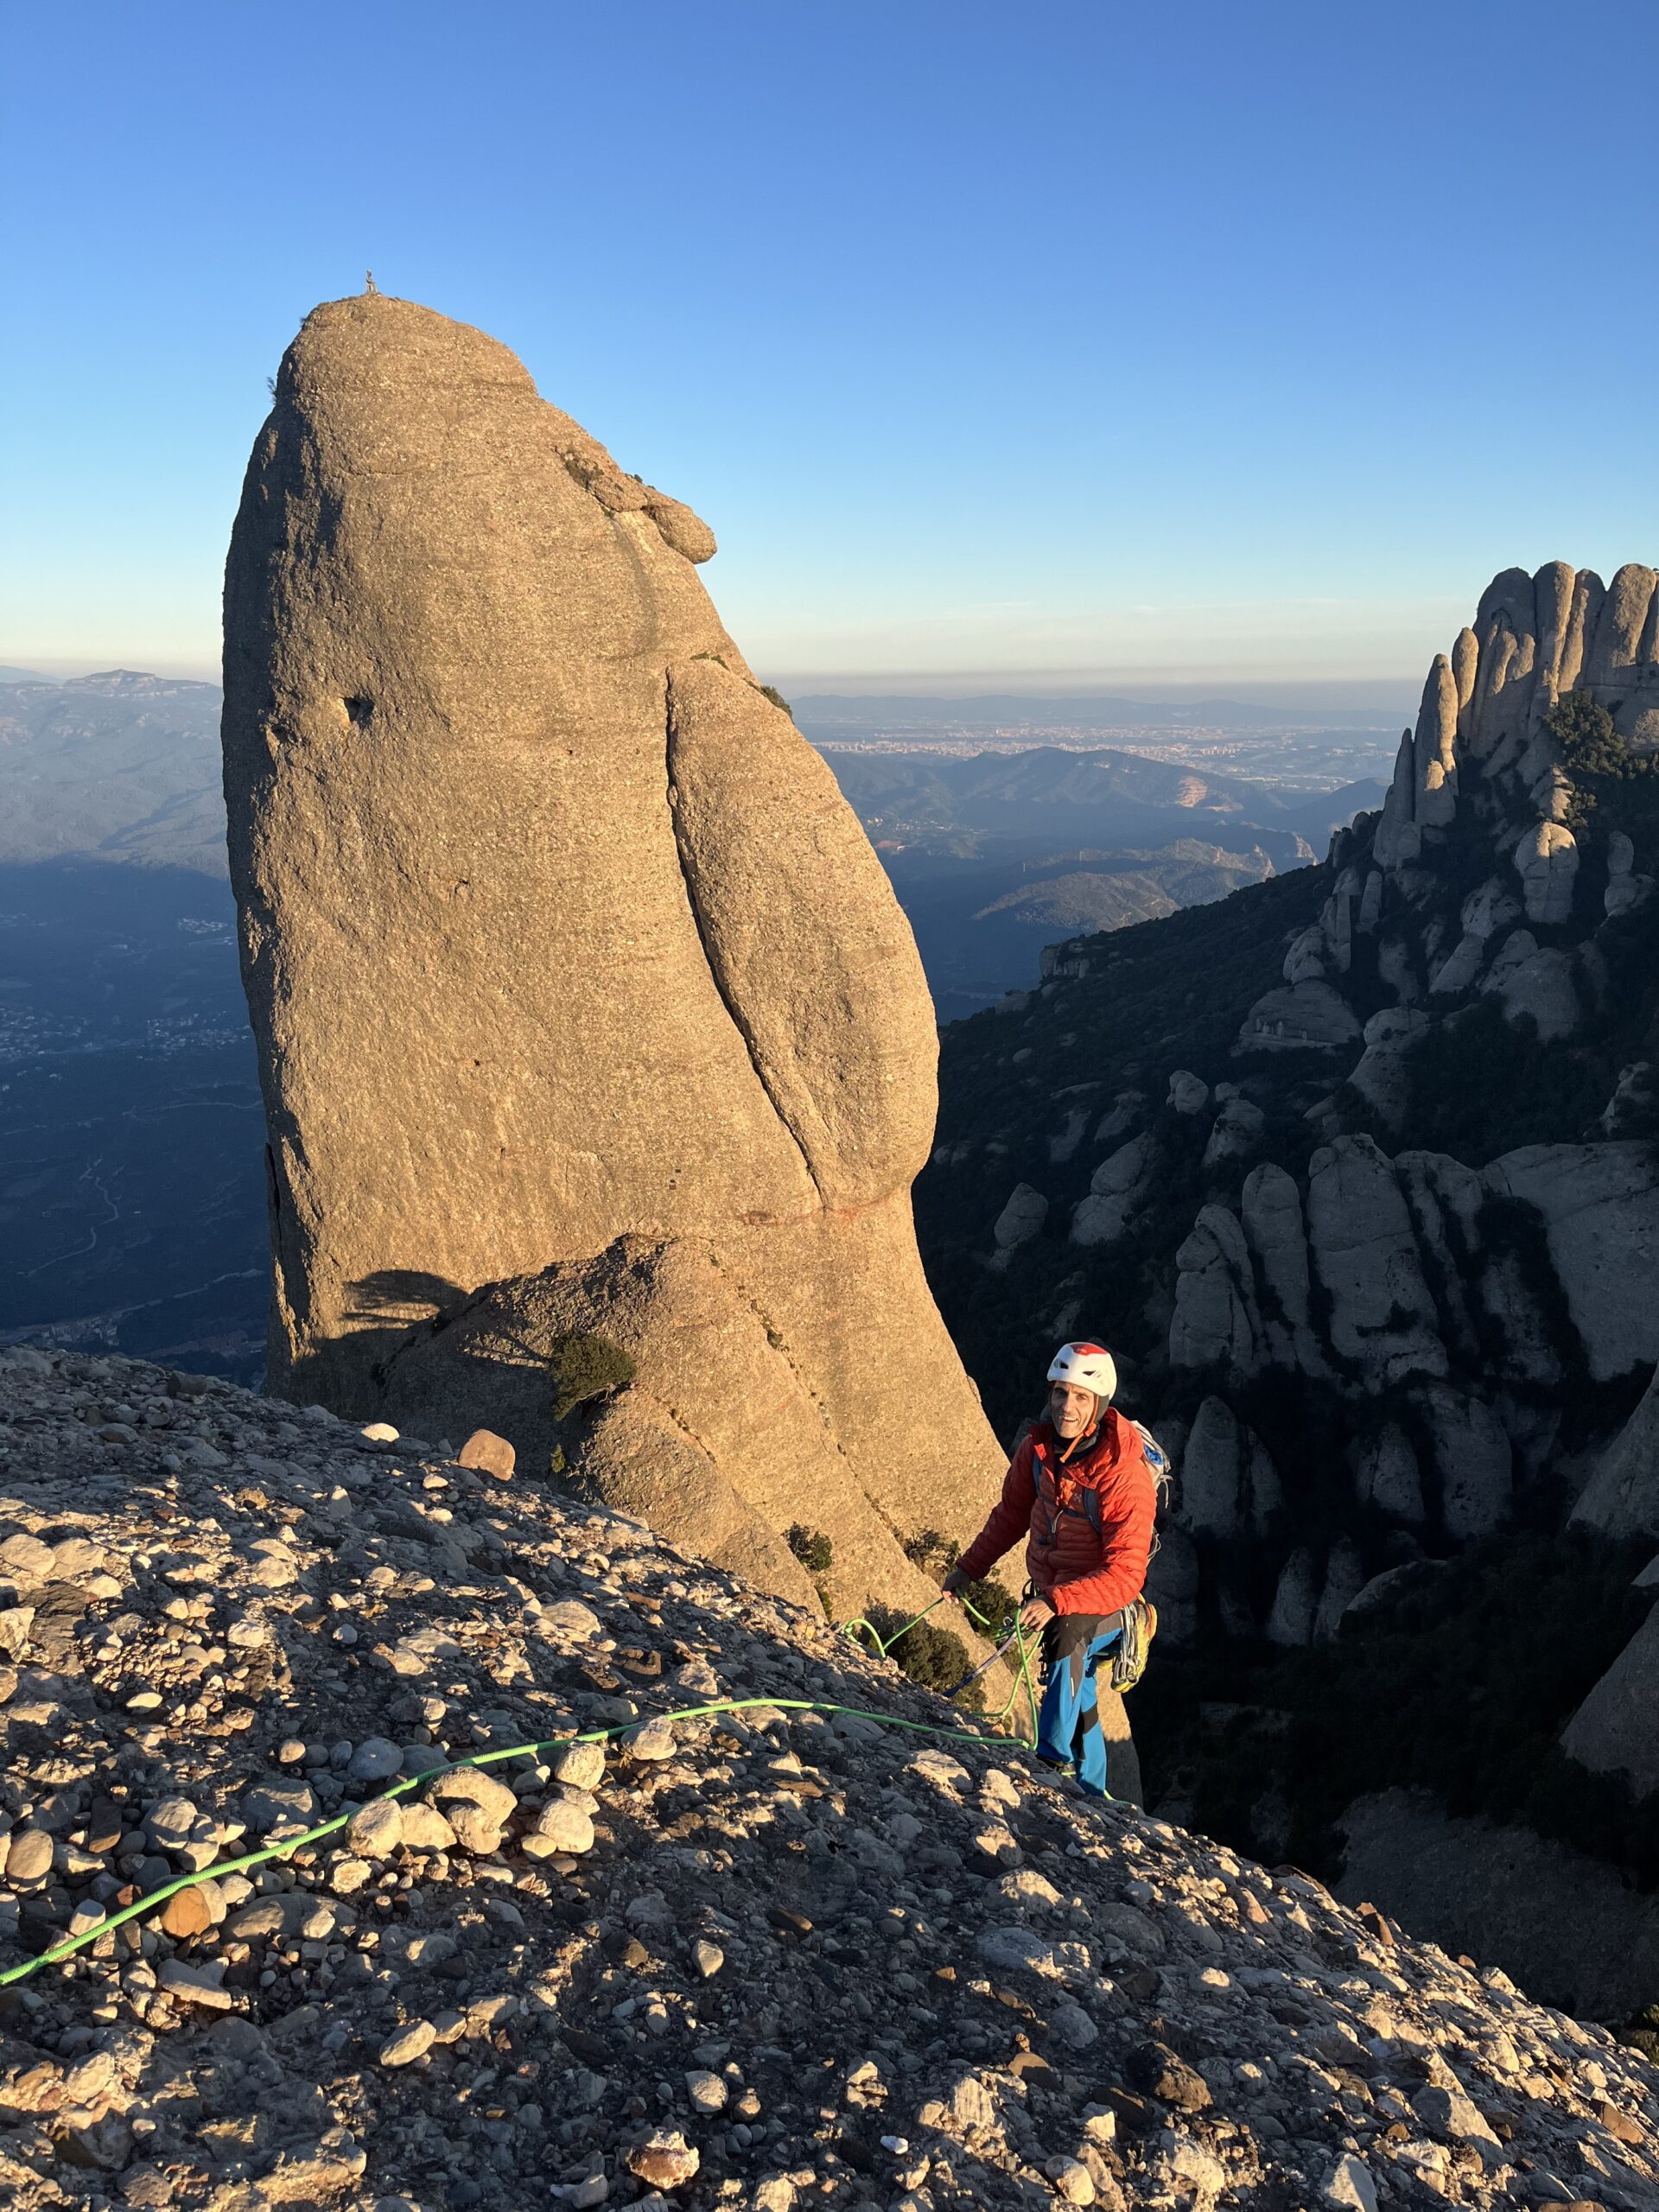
[1082,1489]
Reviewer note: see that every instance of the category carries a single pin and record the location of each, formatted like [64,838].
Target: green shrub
[583,1366]
[936,1555]
[937,1658]
[995,1608]
[811,1547]
[1604,772]
[770,691]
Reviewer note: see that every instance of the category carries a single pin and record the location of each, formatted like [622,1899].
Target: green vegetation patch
[1613,784]
[937,1658]
[811,1547]
[584,1366]
[993,1606]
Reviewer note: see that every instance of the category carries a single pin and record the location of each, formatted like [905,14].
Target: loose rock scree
[763,1958]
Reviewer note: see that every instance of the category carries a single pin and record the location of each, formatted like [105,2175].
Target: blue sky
[1087,343]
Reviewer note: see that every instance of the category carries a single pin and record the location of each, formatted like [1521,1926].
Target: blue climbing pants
[1068,1725]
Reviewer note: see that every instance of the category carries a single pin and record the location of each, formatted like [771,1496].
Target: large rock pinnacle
[554,930]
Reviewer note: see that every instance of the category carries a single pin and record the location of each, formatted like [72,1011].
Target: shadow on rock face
[652,1377]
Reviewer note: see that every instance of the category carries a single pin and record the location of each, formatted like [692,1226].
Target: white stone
[564,1826]
[579,1766]
[378,1830]
[1012,1948]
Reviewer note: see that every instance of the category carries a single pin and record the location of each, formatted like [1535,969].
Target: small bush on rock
[583,1366]
[811,1547]
[937,1658]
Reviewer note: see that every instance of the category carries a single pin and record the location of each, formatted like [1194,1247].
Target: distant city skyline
[1082,350]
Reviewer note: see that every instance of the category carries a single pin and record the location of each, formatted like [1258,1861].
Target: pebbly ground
[766,1959]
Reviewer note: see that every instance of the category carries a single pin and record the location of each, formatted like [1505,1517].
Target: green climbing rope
[286,1846]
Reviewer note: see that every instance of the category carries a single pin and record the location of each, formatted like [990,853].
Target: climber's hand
[954,1582]
[1035,1615]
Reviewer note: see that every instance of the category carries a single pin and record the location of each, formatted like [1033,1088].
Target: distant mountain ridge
[825,711]
[121,766]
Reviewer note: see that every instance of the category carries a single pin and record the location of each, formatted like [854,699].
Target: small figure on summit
[1082,1489]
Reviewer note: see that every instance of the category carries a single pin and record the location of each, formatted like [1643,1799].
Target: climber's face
[1071,1409]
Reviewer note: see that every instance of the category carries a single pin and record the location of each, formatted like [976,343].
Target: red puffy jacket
[1088,1519]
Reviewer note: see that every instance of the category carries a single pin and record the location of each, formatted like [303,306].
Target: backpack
[1134,1646]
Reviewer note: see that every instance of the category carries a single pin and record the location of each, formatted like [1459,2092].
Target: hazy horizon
[1103,349]
[1389,695]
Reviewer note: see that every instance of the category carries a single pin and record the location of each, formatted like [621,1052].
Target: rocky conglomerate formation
[766,1959]
[1357,1169]
[554,930]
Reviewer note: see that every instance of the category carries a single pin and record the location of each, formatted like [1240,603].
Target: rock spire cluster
[556,933]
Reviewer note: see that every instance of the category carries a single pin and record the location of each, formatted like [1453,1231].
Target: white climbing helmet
[1087,1367]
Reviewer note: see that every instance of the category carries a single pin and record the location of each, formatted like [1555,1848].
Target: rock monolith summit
[554,930]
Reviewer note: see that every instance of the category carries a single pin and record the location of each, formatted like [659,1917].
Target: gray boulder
[1021,1219]
[1615,1729]
[1216,1322]
[1382,1075]
[1599,1208]
[1188,1093]
[1270,1207]
[1172,1585]
[1383,1318]
[1236,1132]
[1295,1602]
[1547,859]
[1622,1496]
[1386,1475]
[1472,1456]
[1344,1578]
[1527,978]
[1117,1189]
[1228,1480]
[1296,1017]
